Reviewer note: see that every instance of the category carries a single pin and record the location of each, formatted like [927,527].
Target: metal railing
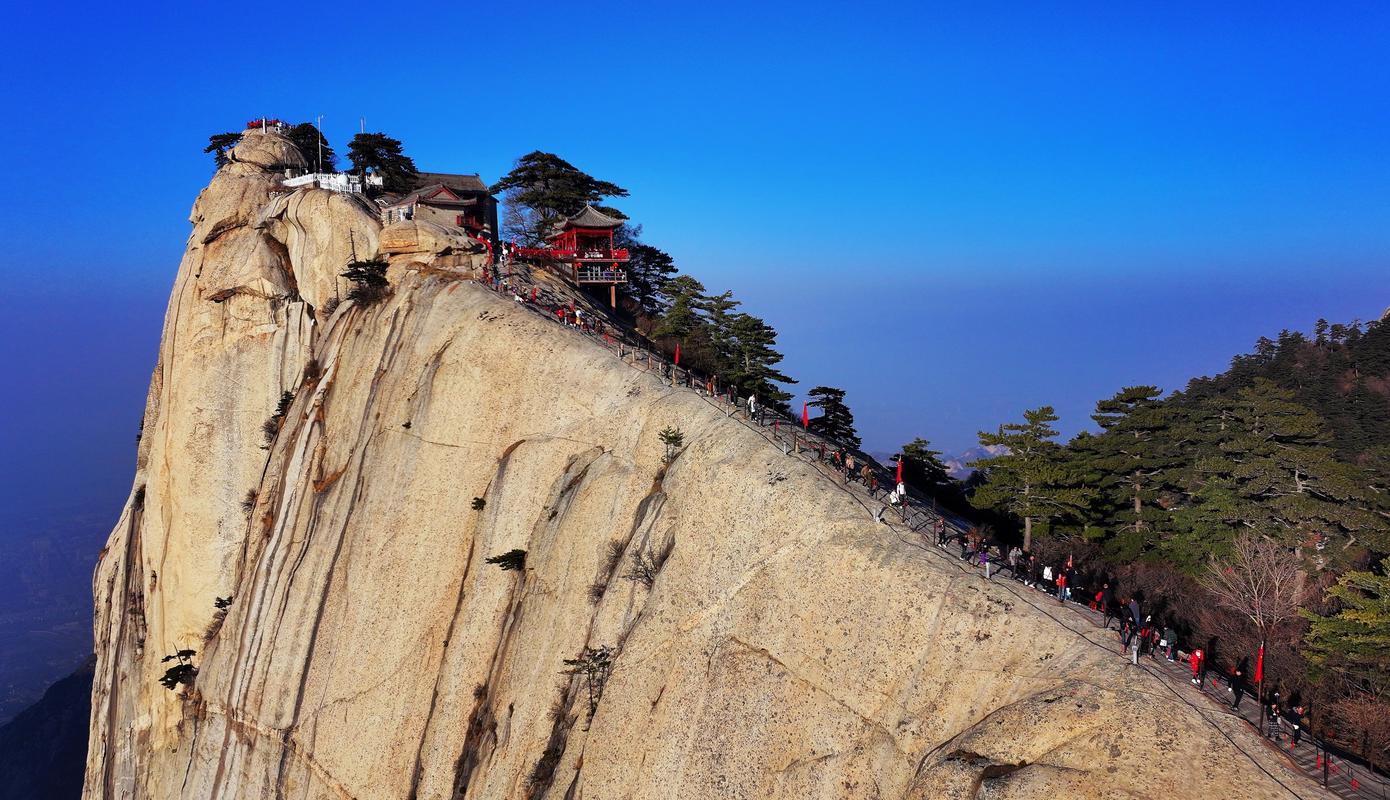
[591,274]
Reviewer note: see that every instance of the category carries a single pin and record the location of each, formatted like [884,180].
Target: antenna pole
[320,143]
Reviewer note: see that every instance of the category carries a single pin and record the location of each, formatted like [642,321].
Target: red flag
[900,469]
[534,291]
[678,353]
[805,417]
[1260,666]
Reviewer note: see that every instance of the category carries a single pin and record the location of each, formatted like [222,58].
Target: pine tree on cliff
[754,360]
[648,270]
[219,144]
[835,420]
[314,147]
[682,317]
[543,189]
[1136,458]
[382,155]
[1031,480]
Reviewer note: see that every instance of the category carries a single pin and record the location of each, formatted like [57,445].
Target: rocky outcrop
[769,638]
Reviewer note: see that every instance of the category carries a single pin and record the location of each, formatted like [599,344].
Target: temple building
[583,244]
[462,201]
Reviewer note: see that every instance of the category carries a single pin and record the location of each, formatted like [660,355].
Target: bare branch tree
[1261,581]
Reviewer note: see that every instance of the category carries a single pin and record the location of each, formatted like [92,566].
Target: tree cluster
[1255,505]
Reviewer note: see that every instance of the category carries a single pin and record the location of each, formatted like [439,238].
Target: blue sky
[954,211]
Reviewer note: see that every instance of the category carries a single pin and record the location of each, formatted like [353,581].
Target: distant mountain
[46,561]
[43,750]
[958,465]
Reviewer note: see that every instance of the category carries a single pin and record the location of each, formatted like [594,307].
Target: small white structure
[345,182]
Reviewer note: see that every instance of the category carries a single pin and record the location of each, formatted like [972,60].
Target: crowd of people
[1139,634]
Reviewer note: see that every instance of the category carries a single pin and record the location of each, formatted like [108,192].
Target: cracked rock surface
[789,647]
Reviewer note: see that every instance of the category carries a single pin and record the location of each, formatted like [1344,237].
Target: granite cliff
[789,646]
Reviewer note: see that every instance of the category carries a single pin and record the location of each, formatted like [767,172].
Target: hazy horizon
[953,216]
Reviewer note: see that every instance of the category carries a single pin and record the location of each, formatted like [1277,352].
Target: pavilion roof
[435,194]
[591,217]
[458,183]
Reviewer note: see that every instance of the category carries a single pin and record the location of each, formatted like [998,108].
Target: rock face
[788,647]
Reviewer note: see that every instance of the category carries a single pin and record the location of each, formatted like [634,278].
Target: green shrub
[674,440]
[183,672]
[369,283]
[510,560]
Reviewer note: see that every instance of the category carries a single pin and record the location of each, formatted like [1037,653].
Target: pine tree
[1277,475]
[1355,640]
[753,361]
[718,340]
[648,271]
[924,471]
[682,317]
[1029,479]
[543,189]
[312,145]
[369,282]
[835,420]
[382,155]
[219,144]
[1134,460]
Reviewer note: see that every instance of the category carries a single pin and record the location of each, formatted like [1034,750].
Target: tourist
[1169,641]
[1195,659]
[1238,684]
[941,532]
[1297,718]
[1047,578]
[1061,586]
[1014,555]
[1275,719]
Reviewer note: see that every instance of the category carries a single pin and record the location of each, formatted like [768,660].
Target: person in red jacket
[1196,660]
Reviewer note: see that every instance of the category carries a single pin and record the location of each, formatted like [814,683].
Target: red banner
[678,353]
[1260,666]
[900,469]
[805,417]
